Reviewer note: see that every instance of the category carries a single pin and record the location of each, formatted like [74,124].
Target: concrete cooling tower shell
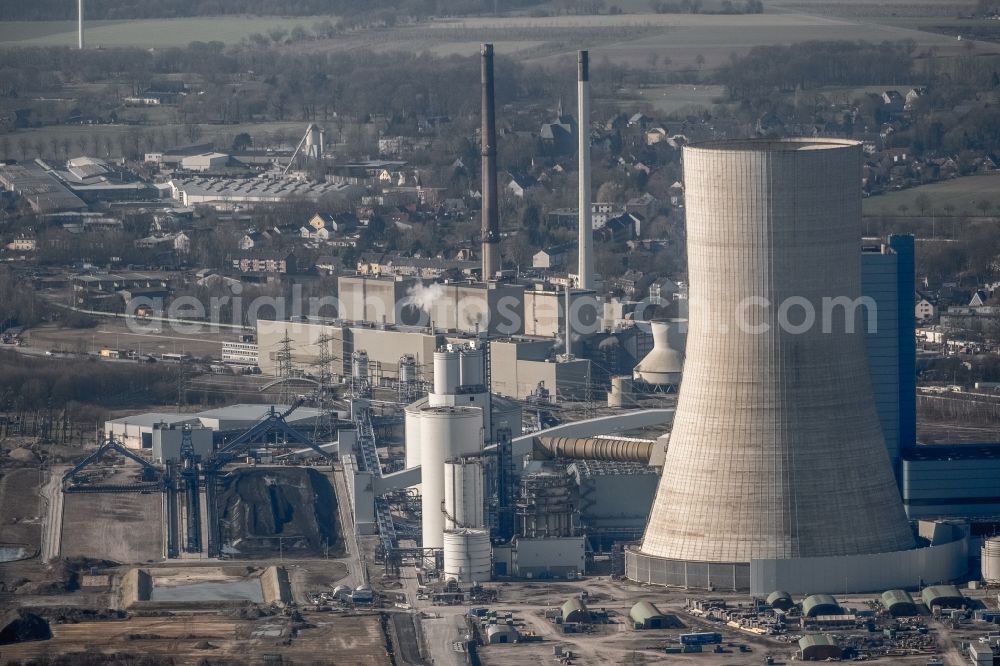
[663,365]
[776,449]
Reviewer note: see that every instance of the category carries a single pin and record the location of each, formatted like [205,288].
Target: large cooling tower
[776,450]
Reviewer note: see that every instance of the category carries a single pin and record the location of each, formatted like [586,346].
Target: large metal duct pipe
[776,450]
[593,448]
[585,264]
[491,219]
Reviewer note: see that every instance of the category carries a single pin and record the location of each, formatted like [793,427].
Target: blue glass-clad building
[939,481]
[887,277]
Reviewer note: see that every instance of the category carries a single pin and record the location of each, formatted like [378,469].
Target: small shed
[645,615]
[945,596]
[899,603]
[820,604]
[819,647]
[780,600]
[574,610]
[501,633]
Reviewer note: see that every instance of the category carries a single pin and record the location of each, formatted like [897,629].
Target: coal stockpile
[19,626]
[264,512]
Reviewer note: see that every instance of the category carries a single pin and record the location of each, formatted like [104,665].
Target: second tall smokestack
[491,220]
[79,24]
[585,266]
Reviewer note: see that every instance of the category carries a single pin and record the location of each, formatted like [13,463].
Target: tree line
[52,10]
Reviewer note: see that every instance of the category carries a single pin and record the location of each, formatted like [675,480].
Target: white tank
[411,434]
[445,433]
[467,556]
[621,392]
[359,364]
[463,493]
[446,372]
[473,371]
[991,560]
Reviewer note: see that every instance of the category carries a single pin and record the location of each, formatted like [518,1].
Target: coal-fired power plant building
[777,475]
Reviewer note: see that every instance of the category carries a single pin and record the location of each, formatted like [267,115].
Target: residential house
[645,206]
[266,262]
[979,299]
[518,184]
[676,194]
[893,101]
[632,284]
[655,136]
[912,95]
[550,258]
[661,291]
[312,233]
[619,229]
[640,120]
[23,244]
[340,223]
[925,310]
[252,239]
[559,136]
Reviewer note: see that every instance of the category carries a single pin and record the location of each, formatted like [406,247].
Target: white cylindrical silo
[463,493]
[445,433]
[447,372]
[621,392]
[991,560]
[467,556]
[411,434]
[472,371]
[663,365]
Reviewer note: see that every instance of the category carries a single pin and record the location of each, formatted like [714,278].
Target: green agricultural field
[961,195]
[667,99]
[147,32]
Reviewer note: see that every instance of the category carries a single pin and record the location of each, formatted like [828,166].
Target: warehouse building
[139,431]
[820,604]
[224,193]
[899,603]
[942,596]
[645,615]
[819,647]
[42,190]
[780,600]
[574,610]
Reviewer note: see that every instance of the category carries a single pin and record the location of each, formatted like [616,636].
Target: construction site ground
[21,512]
[121,527]
[116,334]
[188,639]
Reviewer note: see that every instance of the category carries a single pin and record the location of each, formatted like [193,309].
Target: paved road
[52,523]
[442,633]
[951,654]
[351,546]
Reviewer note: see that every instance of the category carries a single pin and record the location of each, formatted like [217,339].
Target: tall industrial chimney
[585,265]
[491,221]
[79,24]
[776,451]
